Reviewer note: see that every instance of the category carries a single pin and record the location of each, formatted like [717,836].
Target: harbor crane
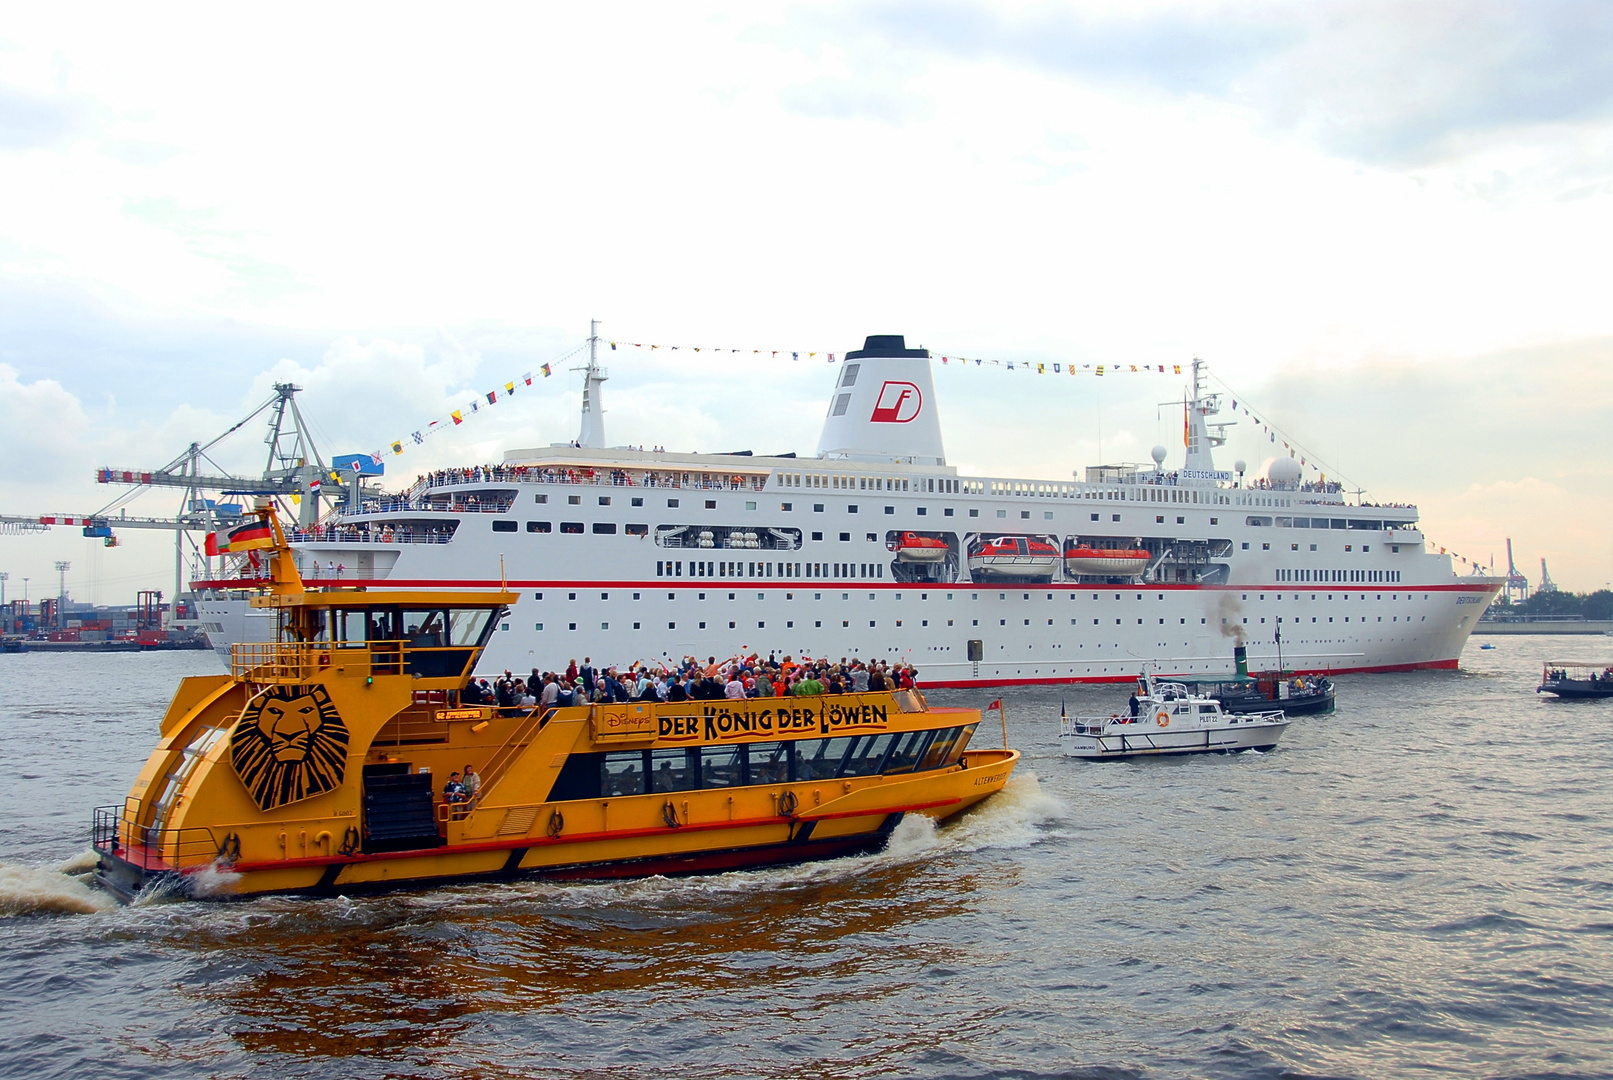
[294,468]
[1517,588]
[1546,584]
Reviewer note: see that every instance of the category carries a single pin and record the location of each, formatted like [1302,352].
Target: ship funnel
[1240,657]
[883,406]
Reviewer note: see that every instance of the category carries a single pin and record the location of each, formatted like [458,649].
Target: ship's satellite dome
[1241,465]
[1159,455]
[1282,471]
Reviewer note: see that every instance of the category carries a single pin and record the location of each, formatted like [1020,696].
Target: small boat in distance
[1576,679]
[316,764]
[1168,718]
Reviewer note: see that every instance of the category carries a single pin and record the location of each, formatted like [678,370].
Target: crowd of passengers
[551,474]
[733,679]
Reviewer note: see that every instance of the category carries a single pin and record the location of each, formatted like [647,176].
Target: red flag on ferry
[998,704]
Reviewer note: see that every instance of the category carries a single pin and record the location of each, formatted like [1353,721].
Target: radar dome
[1241,465]
[1283,471]
[1159,455]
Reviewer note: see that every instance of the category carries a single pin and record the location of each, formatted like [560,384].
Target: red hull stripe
[809,583]
[579,838]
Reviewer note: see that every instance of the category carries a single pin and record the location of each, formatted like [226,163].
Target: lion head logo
[289,744]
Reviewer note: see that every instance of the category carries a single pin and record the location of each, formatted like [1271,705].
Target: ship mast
[592,433]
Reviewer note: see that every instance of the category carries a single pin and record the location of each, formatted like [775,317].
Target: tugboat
[318,765]
[1296,695]
[1168,718]
[1576,679]
[1013,556]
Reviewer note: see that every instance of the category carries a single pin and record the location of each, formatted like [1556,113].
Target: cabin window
[622,773]
[908,750]
[673,770]
[466,625]
[538,527]
[571,526]
[769,763]
[819,759]
[637,530]
[424,629]
[503,526]
[604,528]
[722,766]
[865,757]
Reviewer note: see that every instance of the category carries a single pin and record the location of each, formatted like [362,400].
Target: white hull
[605,548]
[1145,740]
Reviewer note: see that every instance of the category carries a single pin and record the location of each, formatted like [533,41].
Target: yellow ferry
[318,764]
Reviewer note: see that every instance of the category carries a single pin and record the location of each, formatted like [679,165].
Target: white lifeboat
[913,548]
[1027,556]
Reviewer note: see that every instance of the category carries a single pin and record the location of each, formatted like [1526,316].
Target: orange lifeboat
[1105,562]
[914,548]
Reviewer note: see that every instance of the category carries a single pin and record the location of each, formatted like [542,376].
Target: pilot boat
[1085,558]
[1169,719]
[1016,556]
[913,548]
[317,764]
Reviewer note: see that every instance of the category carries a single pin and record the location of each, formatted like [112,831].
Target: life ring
[1163,718]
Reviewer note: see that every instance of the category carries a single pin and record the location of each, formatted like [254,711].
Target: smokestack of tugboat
[1240,656]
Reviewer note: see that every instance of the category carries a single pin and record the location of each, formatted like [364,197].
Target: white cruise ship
[876,547]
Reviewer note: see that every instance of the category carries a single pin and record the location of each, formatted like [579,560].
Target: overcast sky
[1387,225]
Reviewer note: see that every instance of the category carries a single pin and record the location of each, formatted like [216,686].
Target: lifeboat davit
[1019,556]
[920,549]
[1105,562]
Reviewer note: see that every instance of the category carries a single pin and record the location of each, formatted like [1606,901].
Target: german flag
[251,536]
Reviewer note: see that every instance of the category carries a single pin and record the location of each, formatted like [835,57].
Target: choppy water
[1421,884]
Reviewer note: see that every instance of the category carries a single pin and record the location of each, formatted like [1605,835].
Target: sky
[1384,226]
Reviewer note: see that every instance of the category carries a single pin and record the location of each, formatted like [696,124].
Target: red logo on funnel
[898,403]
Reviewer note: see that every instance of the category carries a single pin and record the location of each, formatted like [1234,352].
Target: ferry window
[711,504]
[604,528]
[865,757]
[622,773]
[785,506]
[673,503]
[503,526]
[638,500]
[465,625]
[538,527]
[1002,513]
[940,750]
[638,530]
[1094,517]
[1181,521]
[1215,521]
[817,508]
[721,766]
[541,497]
[890,509]
[768,763]
[1159,519]
[1114,517]
[974,513]
[817,536]
[947,512]
[819,759]
[424,629]
[349,626]
[604,500]
[673,770]
[573,500]
[923,510]
[869,537]
[571,526]
[905,754]
[965,733]
[851,508]
[750,504]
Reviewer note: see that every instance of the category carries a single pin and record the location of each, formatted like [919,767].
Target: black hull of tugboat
[1309,705]
[1576,692]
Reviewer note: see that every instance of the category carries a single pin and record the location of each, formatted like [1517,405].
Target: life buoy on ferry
[1163,718]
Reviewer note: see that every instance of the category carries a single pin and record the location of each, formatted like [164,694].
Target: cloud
[31,120]
[1389,83]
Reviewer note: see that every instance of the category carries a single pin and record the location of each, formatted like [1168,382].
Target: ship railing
[277,662]
[116,830]
[348,535]
[641,478]
[1094,725]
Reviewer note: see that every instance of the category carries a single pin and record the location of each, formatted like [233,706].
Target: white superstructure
[877,547]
